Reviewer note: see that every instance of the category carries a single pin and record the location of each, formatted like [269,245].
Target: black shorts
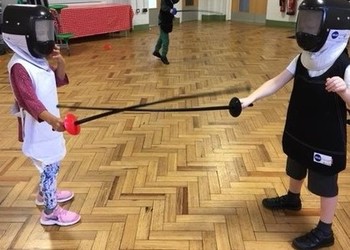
[322,185]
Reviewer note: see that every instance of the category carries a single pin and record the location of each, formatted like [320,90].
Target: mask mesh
[309,22]
[44,30]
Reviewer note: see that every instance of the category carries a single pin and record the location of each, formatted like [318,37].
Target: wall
[141,11]
[69,2]
[221,6]
[274,14]
[142,17]
[190,15]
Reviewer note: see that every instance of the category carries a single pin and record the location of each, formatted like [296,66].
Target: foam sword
[72,125]
[205,11]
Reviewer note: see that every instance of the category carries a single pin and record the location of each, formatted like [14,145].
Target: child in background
[166,17]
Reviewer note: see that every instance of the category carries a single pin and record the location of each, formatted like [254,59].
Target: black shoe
[157,54]
[164,60]
[313,240]
[281,202]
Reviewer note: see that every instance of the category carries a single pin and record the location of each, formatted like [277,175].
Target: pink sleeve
[24,92]
[60,82]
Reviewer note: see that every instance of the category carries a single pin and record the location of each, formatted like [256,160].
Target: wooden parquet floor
[170,180]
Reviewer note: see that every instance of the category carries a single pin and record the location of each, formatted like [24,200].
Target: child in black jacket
[166,16]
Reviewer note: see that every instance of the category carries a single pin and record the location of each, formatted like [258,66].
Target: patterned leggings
[48,185]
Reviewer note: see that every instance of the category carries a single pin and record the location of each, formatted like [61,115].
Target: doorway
[249,10]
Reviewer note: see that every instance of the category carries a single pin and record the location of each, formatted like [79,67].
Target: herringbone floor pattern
[166,180]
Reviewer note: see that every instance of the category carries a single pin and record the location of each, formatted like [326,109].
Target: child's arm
[268,88]
[164,6]
[56,123]
[27,99]
[24,91]
[340,86]
[60,67]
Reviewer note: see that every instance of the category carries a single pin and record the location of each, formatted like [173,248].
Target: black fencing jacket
[315,129]
[165,17]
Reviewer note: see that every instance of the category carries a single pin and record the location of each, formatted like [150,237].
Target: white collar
[19,45]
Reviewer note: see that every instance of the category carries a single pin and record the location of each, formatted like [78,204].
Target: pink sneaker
[60,217]
[62,196]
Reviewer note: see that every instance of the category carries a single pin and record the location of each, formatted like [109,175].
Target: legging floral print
[48,185]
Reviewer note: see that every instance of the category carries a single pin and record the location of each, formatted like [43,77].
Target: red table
[88,20]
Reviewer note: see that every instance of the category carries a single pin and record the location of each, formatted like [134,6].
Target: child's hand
[335,84]
[56,55]
[59,68]
[56,123]
[246,102]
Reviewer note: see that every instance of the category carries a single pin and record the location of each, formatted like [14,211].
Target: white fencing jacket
[40,142]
